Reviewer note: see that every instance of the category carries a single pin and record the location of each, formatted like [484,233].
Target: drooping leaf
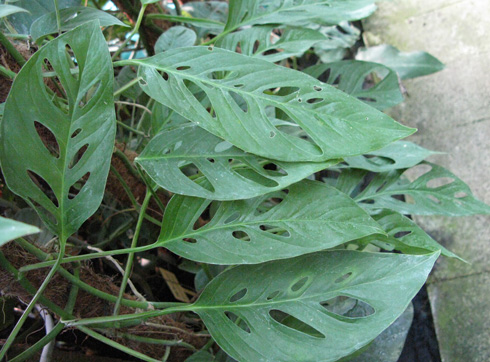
[372,83]
[407,65]
[249,309]
[397,155]
[70,18]
[56,145]
[226,172]
[175,37]
[337,125]
[22,21]
[30,216]
[11,229]
[404,235]
[292,12]
[436,192]
[258,40]
[6,10]
[311,217]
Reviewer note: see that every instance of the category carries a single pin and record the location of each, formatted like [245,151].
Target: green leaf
[291,12]
[22,21]
[226,172]
[6,10]
[397,155]
[11,229]
[70,18]
[56,147]
[339,39]
[249,309]
[258,40]
[436,192]
[338,125]
[311,217]
[175,37]
[404,235]
[201,356]
[371,83]
[407,65]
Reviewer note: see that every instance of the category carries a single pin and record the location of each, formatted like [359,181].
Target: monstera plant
[235,143]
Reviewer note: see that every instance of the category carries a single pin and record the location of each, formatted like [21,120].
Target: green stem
[178,9]
[34,299]
[129,128]
[162,342]
[7,72]
[127,86]
[134,242]
[12,50]
[135,30]
[58,20]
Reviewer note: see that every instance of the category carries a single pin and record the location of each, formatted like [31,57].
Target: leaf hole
[273,295]
[271,201]
[43,212]
[350,308]
[317,88]
[76,133]
[89,94]
[367,99]
[143,82]
[401,234]
[190,240]
[210,48]
[240,101]
[183,67]
[289,321]
[165,76]
[337,80]
[77,187]
[299,284]
[439,182]
[211,160]
[222,146]
[275,230]
[240,323]
[460,194]
[44,186]
[241,235]
[238,295]
[232,217]
[325,75]
[314,100]
[256,177]
[272,134]
[343,278]
[78,156]
[434,199]
[238,85]
[48,139]
[72,60]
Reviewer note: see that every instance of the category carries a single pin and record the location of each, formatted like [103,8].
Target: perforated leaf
[288,310]
[226,172]
[69,19]
[398,155]
[339,39]
[292,12]
[311,217]
[436,192]
[407,65]
[404,235]
[372,83]
[337,125]
[56,145]
[11,229]
[277,43]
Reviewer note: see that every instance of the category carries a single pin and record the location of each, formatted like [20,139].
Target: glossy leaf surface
[11,229]
[337,125]
[372,83]
[175,37]
[56,146]
[289,302]
[407,65]
[226,172]
[71,18]
[436,192]
[311,217]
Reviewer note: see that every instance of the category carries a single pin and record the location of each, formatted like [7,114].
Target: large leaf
[70,18]
[337,124]
[282,310]
[311,217]
[258,40]
[292,12]
[436,192]
[407,65]
[6,10]
[404,235]
[226,172]
[372,83]
[397,155]
[11,229]
[22,21]
[56,152]
[175,37]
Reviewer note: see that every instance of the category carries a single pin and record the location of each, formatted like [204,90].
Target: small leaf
[70,18]
[226,172]
[11,229]
[371,83]
[311,217]
[6,10]
[56,146]
[258,40]
[247,307]
[407,65]
[175,37]
[424,196]
[339,39]
[397,155]
[337,125]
